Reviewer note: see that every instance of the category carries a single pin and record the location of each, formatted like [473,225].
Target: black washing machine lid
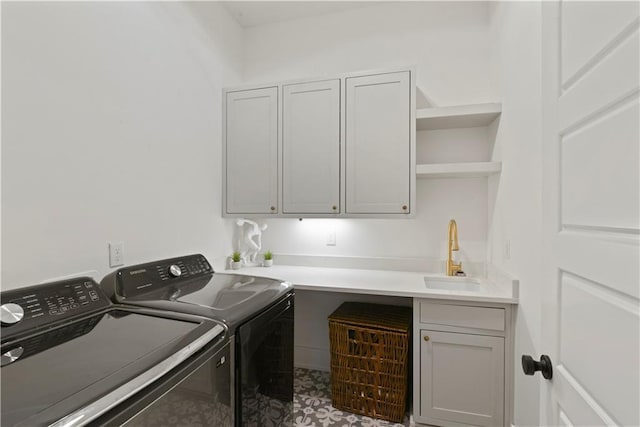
[231,298]
[73,373]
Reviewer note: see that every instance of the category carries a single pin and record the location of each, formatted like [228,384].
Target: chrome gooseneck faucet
[453,268]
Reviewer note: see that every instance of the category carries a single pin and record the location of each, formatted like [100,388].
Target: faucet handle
[453,268]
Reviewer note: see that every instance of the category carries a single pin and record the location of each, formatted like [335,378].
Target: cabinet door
[311,147]
[251,151]
[461,378]
[378,143]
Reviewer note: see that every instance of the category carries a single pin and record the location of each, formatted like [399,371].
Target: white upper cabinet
[251,151]
[311,148]
[341,146]
[378,144]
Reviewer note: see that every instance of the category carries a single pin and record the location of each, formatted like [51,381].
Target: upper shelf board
[459,116]
[458,170]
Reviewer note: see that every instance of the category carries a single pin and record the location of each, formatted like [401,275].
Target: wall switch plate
[507,249]
[331,238]
[116,254]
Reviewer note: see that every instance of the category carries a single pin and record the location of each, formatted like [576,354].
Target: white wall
[516,28]
[449,43]
[111,115]
[105,103]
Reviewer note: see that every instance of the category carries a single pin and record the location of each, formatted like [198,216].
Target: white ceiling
[252,13]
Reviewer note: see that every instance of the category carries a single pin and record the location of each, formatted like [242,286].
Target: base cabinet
[466,377]
[460,376]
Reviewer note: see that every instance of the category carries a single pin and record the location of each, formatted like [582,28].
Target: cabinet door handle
[426,337]
[404,207]
[334,207]
[273,208]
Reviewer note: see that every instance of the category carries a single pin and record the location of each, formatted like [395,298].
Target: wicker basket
[369,359]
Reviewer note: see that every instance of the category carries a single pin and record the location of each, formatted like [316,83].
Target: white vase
[236,265]
[267,263]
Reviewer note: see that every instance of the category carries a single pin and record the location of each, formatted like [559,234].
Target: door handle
[530,366]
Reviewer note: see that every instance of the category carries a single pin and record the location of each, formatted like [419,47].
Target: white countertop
[380,282]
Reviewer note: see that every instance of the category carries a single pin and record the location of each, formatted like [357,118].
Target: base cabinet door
[461,379]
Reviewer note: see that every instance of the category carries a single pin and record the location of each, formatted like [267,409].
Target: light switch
[331,238]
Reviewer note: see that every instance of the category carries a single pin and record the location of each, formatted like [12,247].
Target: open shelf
[458,170]
[459,116]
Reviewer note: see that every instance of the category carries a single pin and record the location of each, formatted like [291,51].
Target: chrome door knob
[175,271]
[11,313]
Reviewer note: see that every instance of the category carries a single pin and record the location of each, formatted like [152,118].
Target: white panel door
[461,378]
[251,148]
[311,147]
[378,143]
[591,213]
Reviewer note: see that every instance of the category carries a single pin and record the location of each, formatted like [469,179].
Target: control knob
[11,356]
[175,271]
[11,314]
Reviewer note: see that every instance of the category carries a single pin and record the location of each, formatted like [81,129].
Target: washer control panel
[31,307]
[188,266]
[144,278]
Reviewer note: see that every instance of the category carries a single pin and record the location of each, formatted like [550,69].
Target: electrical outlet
[116,254]
[331,238]
[507,249]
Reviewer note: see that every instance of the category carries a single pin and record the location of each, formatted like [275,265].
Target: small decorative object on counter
[249,240]
[268,259]
[236,261]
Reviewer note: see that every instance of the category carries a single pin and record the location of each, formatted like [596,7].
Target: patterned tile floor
[312,404]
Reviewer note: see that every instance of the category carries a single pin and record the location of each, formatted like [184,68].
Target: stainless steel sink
[446,283]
